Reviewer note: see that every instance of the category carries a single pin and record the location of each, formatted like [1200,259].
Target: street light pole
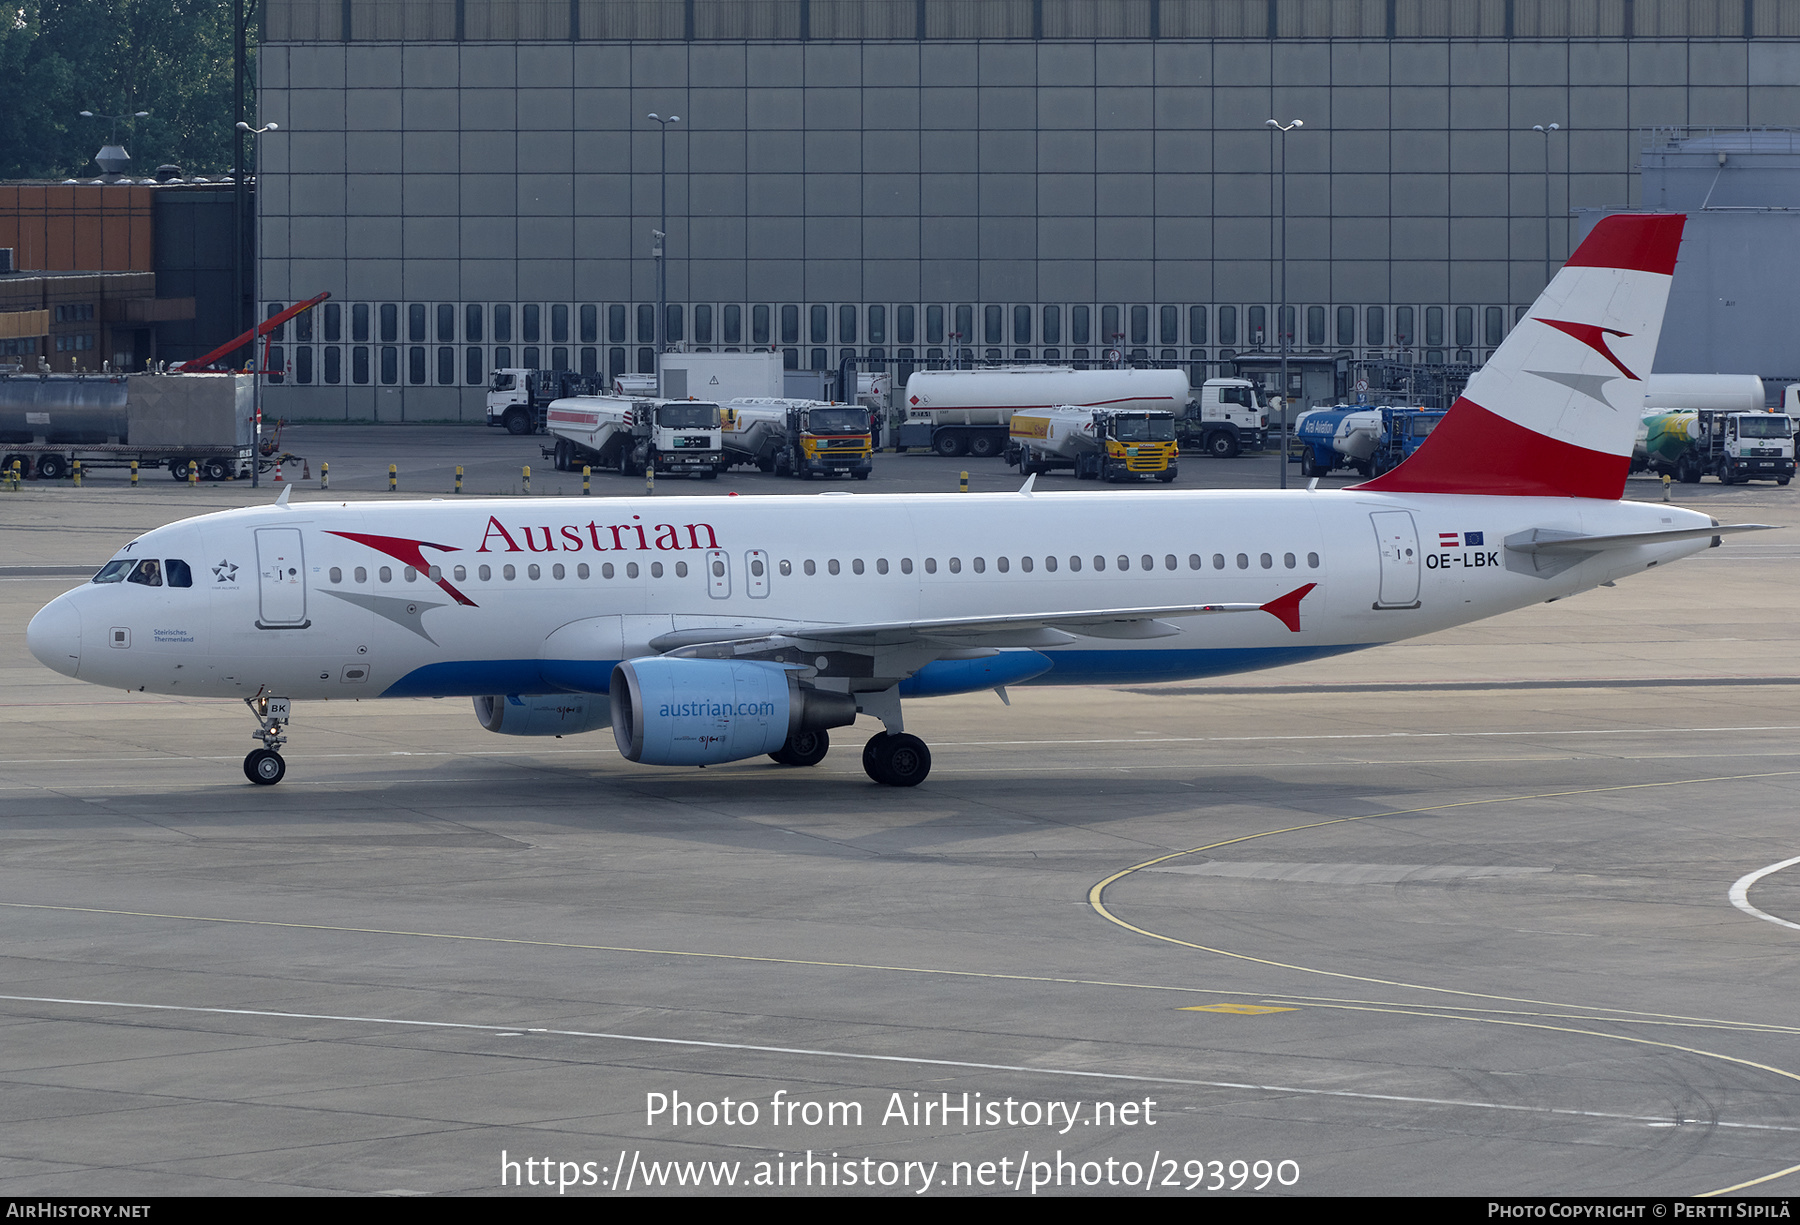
[660,333]
[256,364]
[1545,132]
[1281,311]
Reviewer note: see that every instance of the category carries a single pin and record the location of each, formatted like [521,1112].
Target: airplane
[704,630]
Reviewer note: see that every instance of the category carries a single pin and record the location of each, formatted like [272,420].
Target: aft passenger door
[1398,539]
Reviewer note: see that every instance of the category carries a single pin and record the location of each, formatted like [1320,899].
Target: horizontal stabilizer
[1544,540]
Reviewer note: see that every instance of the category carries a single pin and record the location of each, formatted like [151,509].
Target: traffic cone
[306,470]
[277,472]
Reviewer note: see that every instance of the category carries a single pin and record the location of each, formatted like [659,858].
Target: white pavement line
[499,1030]
[1740,893]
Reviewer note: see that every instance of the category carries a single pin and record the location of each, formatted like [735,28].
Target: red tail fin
[1554,412]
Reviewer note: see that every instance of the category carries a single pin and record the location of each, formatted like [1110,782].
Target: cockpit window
[179,573]
[148,572]
[113,571]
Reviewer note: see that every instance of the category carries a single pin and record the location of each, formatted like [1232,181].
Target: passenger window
[980,565]
[1243,560]
[533,572]
[1150,562]
[556,571]
[832,565]
[1075,564]
[1267,561]
[362,574]
[811,567]
[1124,562]
[337,575]
[1312,560]
[606,570]
[1099,562]
[881,565]
[410,574]
[931,565]
[386,574]
[1287,559]
[1050,564]
[856,566]
[680,570]
[787,567]
[461,572]
[148,572]
[180,575]
[581,571]
[486,573]
[631,569]
[656,570]
[956,565]
[1218,561]
[1000,564]
[1193,561]
[1025,564]
[756,568]
[507,572]
[436,573]
[1168,562]
[906,565]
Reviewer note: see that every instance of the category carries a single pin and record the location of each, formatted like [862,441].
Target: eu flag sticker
[1471,539]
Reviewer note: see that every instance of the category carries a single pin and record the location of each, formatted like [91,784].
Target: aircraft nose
[54,636]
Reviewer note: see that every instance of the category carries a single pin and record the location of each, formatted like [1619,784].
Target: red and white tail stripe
[1555,410]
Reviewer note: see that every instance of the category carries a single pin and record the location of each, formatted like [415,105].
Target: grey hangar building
[907,182]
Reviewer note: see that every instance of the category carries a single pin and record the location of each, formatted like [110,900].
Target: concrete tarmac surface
[1478,914]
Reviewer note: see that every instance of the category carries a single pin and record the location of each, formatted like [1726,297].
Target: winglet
[282,499]
[1286,609]
[1029,482]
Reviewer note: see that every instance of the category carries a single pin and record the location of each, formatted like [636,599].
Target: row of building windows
[79,342]
[561,323]
[954,565]
[75,312]
[447,366]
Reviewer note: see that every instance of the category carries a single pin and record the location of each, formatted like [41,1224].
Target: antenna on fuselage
[1029,482]
[282,498]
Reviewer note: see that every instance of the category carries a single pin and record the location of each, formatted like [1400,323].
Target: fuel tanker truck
[677,437]
[803,438]
[968,412]
[1109,444]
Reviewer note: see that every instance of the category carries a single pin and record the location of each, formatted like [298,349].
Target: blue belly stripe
[477,677]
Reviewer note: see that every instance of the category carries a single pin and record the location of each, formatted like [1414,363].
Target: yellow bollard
[964,486]
[587,473]
[650,475]
[1665,486]
[459,478]
[528,479]
[134,464]
[393,478]
[77,471]
[324,474]
[193,474]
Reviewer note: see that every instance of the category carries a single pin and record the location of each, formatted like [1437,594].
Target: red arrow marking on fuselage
[1594,337]
[407,552]
[1286,609]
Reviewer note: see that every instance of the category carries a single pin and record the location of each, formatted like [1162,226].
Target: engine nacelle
[699,712]
[561,714]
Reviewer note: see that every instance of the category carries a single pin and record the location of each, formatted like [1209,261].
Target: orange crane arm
[262,329]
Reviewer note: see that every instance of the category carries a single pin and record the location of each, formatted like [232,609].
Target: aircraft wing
[1017,629]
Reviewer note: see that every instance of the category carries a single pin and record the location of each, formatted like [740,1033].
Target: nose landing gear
[265,766]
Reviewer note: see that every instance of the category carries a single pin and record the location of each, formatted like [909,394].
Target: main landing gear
[265,766]
[894,759]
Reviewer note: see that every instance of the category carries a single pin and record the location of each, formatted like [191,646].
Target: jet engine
[558,714]
[698,712]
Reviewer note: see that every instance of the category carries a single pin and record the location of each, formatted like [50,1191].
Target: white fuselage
[317,600]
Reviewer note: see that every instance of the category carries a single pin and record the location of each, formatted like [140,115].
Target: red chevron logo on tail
[1594,337]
